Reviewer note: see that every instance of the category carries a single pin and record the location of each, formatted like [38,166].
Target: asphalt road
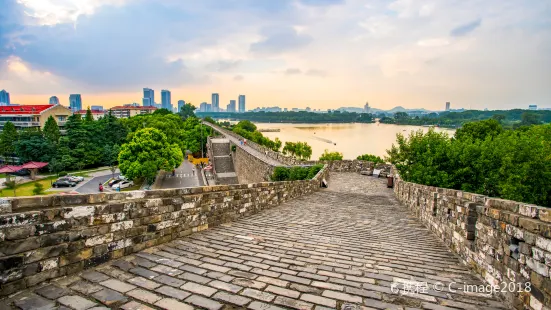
[92,186]
[186,176]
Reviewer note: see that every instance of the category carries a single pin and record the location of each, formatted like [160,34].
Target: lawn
[26,189]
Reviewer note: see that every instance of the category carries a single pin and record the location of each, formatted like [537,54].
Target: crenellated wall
[502,240]
[51,236]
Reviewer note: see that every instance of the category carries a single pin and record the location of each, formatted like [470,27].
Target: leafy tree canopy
[331,155]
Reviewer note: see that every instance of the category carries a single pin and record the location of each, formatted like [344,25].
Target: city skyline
[291,53]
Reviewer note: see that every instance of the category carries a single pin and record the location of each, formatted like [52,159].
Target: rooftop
[133,108]
[25,109]
[93,112]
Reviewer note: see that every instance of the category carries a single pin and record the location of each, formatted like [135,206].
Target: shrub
[10,184]
[372,158]
[295,173]
[38,189]
[62,173]
[280,174]
[331,155]
[314,170]
[233,148]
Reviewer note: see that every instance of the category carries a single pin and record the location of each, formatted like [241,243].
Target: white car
[75,178]
[123,184]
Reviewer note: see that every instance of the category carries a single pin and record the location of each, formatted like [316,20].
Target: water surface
[350,139]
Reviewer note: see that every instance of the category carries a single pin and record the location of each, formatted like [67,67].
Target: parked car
[123,184]
[114,181]
[76,178]
[64,183]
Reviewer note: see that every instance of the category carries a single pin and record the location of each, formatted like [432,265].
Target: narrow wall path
[344,247]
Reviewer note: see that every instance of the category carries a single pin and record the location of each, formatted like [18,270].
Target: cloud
[238,78]
[466,28]
[224,65]
[280,39]
[315,72]
[293,71]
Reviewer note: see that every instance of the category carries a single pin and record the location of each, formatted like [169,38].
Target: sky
[321,54]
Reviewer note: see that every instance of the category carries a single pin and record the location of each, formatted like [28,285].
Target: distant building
[203,107]
[447,106]
[285,110]
[367,109]
[148,97]
[267,109]
[129,111]
[54,100]
[308,109]
[215,102]
[96,114]
[98,107]
[231,106]
[131,105]
[166,100]
[181,104]
[33,116]
[75,102]
[532,107]
[4,97]
[209,107]
[241,100]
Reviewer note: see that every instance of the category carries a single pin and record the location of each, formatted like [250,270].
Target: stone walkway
[350,246]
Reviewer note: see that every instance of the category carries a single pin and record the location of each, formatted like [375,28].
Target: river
[351,139]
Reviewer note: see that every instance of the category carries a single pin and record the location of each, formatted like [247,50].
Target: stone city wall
[250,169]
[51,236]
[506,242]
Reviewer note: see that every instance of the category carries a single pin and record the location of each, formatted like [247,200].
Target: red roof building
[28,116]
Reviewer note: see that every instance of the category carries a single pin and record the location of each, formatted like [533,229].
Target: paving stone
[76,302]
[188,276]
[166,270]
[164,279]
[172,304]
[193,269]
[305,288]
[198,289]
[272,281]
[282,291]
[94,276]
[225,286]
[292,303]
[133,305]
[123,264]
[145,283]
[143,295]
[256,294]
[256,305]
[364,293]
[146,273]
[329,286]
[52,291]
[215,267]
[341,296]
[118,285]
[85,287]
[143,262]
[249,283]
[219,276]
[33,302]
[204,302]
[319,300]
[232,299]
[173,292]
[291,278]
[243,274]
[109,297]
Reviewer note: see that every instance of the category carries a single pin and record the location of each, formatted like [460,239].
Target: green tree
[530,118]
[479,130]
[8,138]
[499,117]
[300,150]
[110,157]
[89,117]
[33,146]
[38,189]
[331,155]
[372,158]
[187,111]
[148,152]
[246,125]
[51,130]
[162,111]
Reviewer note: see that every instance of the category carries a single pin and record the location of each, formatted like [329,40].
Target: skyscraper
[4,97]
[215,102]
[75,102]
[148,94]
[367,109]
[181,104]
[203,107]
[231,106]
[447,106]
[241,103]
[54,100]
[166,101]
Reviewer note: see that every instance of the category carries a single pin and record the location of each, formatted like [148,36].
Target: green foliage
[246,125]
[300,150]
[371,158]
[38,189]
[530,118]
[33,146]
[89,117]
[10,184]
[187,111]
[331,155]
[295,173]
[233,148]
[51,130]
[8,139]
[295,117]
[162,112]
[62,173]
[482,158]
[210,120]
[147,152]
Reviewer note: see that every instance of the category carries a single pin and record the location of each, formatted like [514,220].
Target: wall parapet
[51,236]
[502,240]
